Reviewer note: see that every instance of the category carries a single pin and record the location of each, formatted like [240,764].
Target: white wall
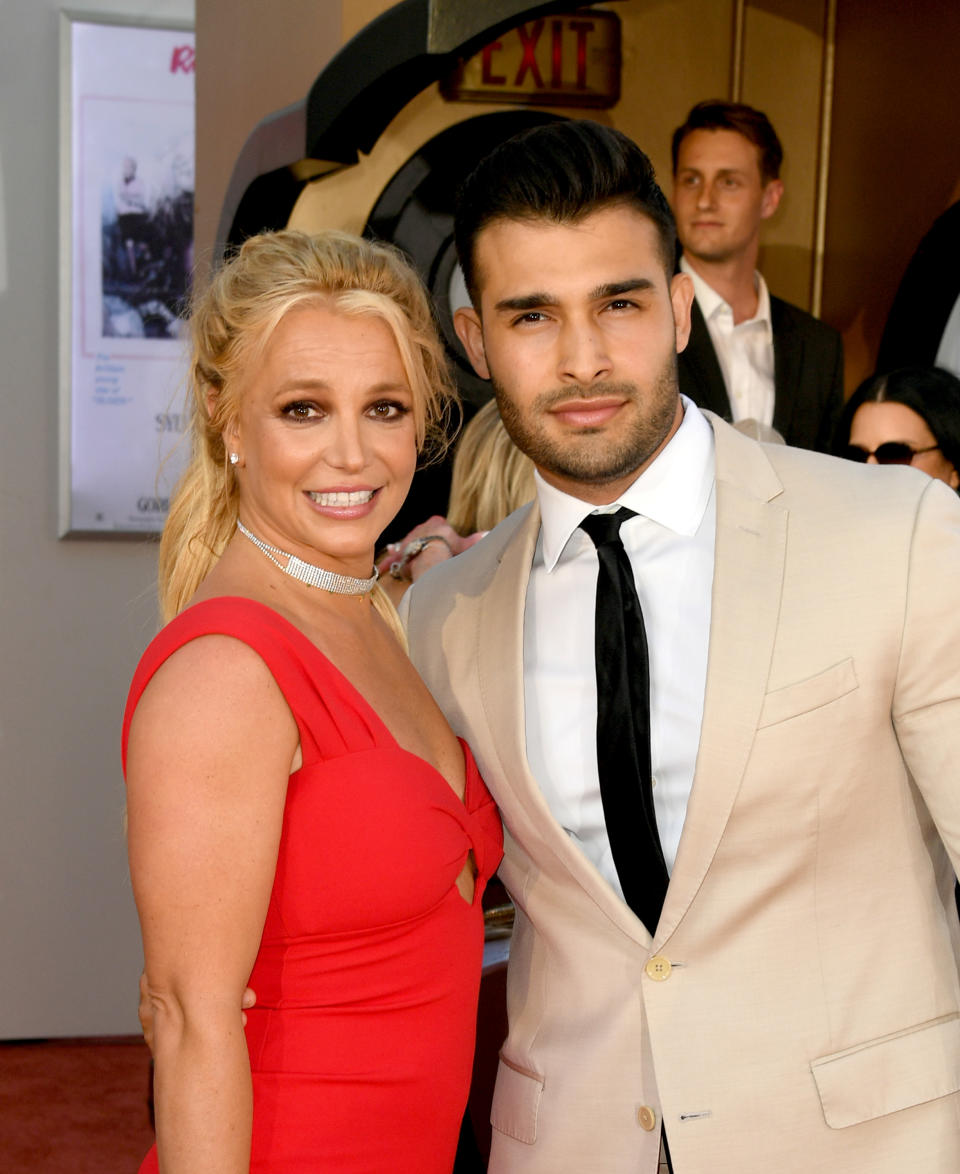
[74,615]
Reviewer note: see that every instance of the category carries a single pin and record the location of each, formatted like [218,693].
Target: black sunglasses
[894,452]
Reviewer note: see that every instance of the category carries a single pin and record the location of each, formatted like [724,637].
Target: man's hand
[248,1000]
[145,1009]
[437,541]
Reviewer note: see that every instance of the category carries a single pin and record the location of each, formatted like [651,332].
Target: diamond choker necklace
[307,573]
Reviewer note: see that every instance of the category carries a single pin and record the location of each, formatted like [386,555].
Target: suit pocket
[813,693]
[516,1102]
[891,1073]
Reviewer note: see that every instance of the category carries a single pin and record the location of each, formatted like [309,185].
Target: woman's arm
[210,750]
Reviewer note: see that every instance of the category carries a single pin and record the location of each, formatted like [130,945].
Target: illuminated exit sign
[556,61]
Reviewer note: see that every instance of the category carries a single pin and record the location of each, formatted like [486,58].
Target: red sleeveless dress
[361,1042]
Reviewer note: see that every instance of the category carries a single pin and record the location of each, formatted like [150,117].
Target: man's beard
[606,458]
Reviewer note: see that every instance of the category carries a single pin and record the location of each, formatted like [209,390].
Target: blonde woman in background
[301,817]
[491,476]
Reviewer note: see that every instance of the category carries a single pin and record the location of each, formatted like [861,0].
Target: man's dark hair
[560,172]
[754,125]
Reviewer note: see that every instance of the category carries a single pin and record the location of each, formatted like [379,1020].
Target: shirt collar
[710,301]
[673,491]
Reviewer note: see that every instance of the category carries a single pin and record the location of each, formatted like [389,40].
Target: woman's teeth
[361,497]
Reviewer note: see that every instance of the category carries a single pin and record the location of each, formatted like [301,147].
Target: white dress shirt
[671,547]
[744,351]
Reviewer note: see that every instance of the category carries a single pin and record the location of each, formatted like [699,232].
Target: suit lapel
[500,672]
[748,578]
[500,654]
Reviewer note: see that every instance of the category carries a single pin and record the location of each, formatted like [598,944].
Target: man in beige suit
[797,1006]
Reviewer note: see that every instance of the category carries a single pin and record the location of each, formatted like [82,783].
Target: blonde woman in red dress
[302,819]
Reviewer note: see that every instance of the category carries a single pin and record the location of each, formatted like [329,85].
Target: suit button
[647,1118]
[658,968]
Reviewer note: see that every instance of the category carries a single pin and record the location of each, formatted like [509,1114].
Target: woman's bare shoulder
[213,689]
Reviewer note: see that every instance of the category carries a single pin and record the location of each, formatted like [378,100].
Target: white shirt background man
[751,356]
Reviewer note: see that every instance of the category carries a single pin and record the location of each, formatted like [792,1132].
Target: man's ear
[681,295]
[466,322]
[770,201]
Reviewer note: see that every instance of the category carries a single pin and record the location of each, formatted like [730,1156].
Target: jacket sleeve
[926,703]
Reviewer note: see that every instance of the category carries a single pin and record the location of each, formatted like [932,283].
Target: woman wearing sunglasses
[910,416]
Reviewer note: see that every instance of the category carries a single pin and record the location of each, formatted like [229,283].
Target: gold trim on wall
[823,161]
[736,53]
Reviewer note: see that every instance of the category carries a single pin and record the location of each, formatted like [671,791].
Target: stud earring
[234,458]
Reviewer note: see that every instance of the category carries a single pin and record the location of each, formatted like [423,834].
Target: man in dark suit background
[750,355]
[923,329]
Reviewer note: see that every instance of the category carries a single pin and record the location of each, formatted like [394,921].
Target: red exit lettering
[529,36]
[528,42]
[581,28]
[561,60]
[183,59]
[489,77]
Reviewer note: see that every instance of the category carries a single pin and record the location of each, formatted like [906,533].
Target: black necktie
[623,724]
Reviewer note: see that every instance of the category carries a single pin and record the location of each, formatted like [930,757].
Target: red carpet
[74,1106]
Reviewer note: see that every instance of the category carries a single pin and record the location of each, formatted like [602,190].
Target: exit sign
[569,60]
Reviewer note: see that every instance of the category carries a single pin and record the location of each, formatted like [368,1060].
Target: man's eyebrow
[613,289]
[610,289]
[530,301]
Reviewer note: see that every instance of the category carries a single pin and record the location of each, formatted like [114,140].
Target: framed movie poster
[127,167]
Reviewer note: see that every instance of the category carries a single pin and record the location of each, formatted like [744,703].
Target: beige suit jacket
[807,1014]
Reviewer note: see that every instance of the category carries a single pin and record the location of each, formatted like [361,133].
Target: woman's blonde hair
[231,321]
[491,477]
